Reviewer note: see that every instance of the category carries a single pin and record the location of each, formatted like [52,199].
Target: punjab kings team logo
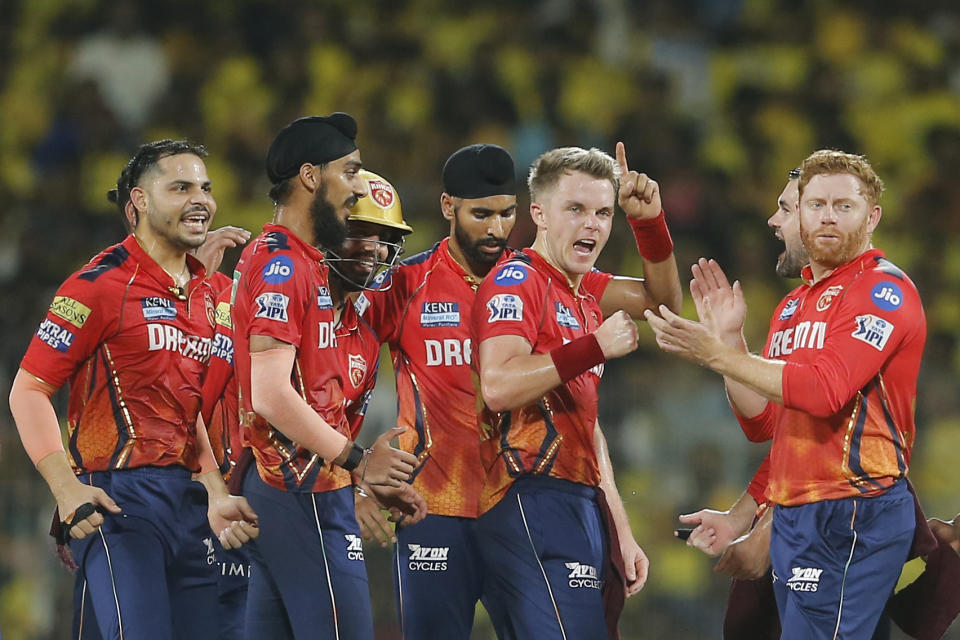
[358,369]
[826,298]
[381,193]
[211,309]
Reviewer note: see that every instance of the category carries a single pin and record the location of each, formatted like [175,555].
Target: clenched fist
[617,335]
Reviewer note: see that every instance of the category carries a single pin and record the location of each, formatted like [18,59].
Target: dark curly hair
[146,157]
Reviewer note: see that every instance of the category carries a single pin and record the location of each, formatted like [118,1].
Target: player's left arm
[639,197]
[634,559]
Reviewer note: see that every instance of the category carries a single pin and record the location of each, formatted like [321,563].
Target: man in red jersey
[374,241]
[423,313]
[836,392]
[541,351]
[308,576]
[131,331]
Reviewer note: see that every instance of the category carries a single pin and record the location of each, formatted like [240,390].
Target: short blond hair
[831,162]
[546,170]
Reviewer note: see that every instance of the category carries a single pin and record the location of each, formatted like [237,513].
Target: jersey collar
[541,264]
[147,264]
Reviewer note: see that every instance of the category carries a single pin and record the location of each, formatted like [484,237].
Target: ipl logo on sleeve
[873,330]
[272,306]
[505,306]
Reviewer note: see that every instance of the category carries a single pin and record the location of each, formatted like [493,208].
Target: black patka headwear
[313,140]
[479,171]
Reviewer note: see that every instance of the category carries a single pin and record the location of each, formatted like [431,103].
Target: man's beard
[851,245]
[471,248]
[792,262]
[328,230]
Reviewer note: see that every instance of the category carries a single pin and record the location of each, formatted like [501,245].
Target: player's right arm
[715,298]
[76,324]
[39,431]
[512,376]
[274,398]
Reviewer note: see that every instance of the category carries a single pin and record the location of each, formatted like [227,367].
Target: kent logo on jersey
[505,306]
[272,306]
[278,270]
[156,308]
[324,301]
[510,274]
[54,335]
[789,309]
[440,314]
[873,330]
[565,317]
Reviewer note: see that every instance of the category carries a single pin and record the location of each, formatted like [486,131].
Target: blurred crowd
[715,99]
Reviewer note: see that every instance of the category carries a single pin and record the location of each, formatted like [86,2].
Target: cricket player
[835,390]
[131,333]
[541,343]
[308,577]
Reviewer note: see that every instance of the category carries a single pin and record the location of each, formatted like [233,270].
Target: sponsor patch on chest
[440,314]
[324,301]
[789,309]
[565,317]
[156,308]
[873,330]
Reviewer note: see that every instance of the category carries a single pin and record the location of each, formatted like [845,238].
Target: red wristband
[653,238]
[578,356]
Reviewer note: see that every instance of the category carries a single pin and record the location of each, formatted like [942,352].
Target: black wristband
[354,457]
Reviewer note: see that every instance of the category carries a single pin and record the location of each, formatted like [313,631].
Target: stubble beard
[849,248]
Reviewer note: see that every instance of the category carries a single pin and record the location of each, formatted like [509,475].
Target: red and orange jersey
[852,343]
[282,291]
[422,311]
[134,348]
[528,297]
[359,351]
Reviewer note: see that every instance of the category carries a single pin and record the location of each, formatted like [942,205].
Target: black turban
[479,171]
[313,140]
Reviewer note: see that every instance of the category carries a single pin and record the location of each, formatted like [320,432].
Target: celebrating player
[131,332]
[308,577]
[541,348]
[423,312]
[835,391]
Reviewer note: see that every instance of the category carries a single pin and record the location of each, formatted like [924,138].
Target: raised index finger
[622,159]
